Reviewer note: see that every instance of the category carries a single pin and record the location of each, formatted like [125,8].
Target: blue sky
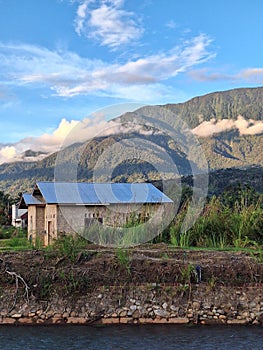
[61,60]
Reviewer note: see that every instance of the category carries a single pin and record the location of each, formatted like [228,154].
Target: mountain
[228,125]
[30,154]
[246,102]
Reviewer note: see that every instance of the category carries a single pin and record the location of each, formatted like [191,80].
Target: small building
[59,208]
[19,216]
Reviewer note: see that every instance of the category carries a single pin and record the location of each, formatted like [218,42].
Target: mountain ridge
[226,149]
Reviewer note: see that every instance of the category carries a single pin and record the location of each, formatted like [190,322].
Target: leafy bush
[69,246]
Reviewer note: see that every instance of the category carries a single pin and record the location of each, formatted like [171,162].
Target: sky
[64,61]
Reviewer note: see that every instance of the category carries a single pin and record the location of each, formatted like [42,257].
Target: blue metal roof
[100,193]
[31,200]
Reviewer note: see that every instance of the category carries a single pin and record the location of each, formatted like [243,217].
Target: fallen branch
[17,279]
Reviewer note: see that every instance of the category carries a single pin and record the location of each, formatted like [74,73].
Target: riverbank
[145,305]
[146,285]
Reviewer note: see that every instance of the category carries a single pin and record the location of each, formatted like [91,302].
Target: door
[49,232]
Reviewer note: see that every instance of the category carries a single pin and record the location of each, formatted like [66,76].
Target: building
[59,208]
[19,216]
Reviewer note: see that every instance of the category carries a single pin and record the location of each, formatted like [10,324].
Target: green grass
[15,244]
[124,258]
[216,249]
[14,240]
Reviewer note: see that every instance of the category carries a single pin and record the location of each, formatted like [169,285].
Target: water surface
[146,337]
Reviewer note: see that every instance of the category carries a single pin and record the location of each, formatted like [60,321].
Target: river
[153,337]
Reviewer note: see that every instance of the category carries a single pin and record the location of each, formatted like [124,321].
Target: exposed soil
[45,271]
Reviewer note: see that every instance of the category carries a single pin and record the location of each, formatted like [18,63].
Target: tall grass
[221,225]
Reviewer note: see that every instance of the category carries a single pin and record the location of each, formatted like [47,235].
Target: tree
[5,208]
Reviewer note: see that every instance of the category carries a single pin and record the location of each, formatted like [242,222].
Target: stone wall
[152,303]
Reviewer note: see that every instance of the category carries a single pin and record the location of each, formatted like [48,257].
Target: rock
[39,321]
[54,320]
[25,320]
[164,305]
[252,305]
[123,313]
[174,308]
[4,312]
[260,318]
[212,321]
[221,312]
[16,315]
[179,320]
[222,317]
[109,320]
[136,314]
[76,320]
[235,321]
[196,305]
[8,320]
[181,312]
[125,320]
[156,307]
[161,313]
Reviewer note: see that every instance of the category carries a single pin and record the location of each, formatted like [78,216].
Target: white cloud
[107,22]
[81,15]
[171,24]
[250,75]
[47,143]
[69,132]
[68,74]
[244,126]
[50,143]
[7,153]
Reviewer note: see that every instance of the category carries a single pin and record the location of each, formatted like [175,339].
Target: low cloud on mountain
[67,133]
[244,126]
